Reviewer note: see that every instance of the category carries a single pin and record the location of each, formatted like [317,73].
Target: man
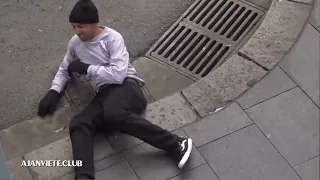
[99,53]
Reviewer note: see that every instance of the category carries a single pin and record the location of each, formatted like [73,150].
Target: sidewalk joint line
[270,98]
[130,165]
[316,28]
[31,172]
[300,87]
[274,146]
[227,134]
[198,116]
[250,59]
[307,160]
[183,172]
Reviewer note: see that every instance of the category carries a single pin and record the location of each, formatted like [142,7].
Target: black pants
[115,107]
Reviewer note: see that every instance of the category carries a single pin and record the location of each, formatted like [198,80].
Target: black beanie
[84,12]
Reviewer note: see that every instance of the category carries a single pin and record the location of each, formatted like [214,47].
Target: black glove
[77,66]
[48,103]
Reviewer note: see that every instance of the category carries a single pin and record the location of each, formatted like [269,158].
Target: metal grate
[205,35]
[191,51]
[229,19]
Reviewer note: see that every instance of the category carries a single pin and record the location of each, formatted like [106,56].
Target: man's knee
[75,122]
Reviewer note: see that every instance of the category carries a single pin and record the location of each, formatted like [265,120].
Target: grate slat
[226,15]
[180,47]
[212,7]
[203,49]
[175,42]
[197,10]
[186,47]
[236,24]
[166,42]
[212,58]
[200,12]
[195,50]
[189,47]
[202,61]
[213,19]
[245,26]
[231,20]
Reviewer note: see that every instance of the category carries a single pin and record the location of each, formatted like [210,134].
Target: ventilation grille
[205,35]
[189,50]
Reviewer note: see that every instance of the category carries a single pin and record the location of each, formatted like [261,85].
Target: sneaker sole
[186,155]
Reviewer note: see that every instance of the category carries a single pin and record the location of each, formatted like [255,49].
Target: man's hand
[77,66]
[48,103]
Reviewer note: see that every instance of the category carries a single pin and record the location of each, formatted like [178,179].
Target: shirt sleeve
[116,71]
[61,78]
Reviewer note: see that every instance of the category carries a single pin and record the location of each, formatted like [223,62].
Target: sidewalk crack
[249,59]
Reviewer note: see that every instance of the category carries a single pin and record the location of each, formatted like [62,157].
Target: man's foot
[185,148]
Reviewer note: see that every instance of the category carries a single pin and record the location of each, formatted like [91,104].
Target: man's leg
[121,107]
[82,129]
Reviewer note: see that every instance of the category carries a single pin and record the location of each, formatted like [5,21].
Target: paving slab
[217,125]
[203,172]
[223,85]
[277,33]
[99,165]
[170,113]
[246,154]
[274,83]
[315,14]
[121,170]
[17,171]
[151,163]
[302,62]
[309,170]
[35,133]
[262,3]
[161,80]
[291,121]
[120,142]
[62,150]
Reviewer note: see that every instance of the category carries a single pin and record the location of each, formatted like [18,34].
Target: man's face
[84,31]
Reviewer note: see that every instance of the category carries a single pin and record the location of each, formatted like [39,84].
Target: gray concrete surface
[35,133]
[309,170]
[273,84]
[17,171]
[161,80]
[227,82]
[246,154]
[280,29]
[302,63]
[315,14]
[35,35]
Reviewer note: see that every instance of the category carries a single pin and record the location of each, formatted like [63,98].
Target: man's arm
[116,71]
[61,78]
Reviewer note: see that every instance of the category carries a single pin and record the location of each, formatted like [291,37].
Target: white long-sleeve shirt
[108,58]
